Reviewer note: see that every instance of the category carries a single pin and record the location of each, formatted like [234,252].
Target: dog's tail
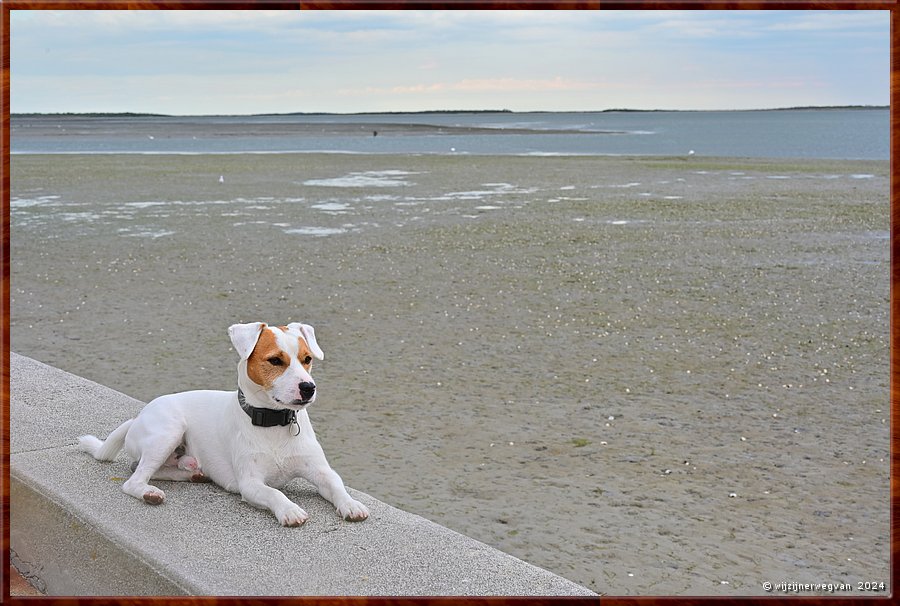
[108,449]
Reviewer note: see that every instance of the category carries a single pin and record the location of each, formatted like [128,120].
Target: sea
[815,133]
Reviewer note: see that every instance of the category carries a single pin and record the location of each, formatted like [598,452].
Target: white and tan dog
[247,441]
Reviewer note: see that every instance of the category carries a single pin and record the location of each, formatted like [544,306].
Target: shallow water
[822,133]
[651,376]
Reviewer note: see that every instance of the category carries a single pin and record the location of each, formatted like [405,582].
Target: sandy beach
[652,376]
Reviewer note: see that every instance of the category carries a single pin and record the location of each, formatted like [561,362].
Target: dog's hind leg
[191,467]
[151,460]
[137,485]
[178,467]
[179,475]
[181,468]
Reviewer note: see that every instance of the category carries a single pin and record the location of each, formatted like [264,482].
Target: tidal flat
[652,376]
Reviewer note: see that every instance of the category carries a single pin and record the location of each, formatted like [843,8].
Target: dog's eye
[275,361]
[307,359]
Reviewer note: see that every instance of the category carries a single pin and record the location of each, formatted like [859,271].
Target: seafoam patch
[79,216]
[495,189]
[27,202]
[316,231]
[333,208]
[145,233]
[145,204]
[877,234]
[371,178]
[624,221]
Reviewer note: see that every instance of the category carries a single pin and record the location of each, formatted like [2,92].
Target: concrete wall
[73,532]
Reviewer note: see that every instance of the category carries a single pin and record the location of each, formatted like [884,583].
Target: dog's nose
[307,390]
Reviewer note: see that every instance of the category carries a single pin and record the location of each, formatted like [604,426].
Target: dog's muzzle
[307,391]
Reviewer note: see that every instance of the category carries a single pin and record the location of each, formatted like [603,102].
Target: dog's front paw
[353,511]
[292,516]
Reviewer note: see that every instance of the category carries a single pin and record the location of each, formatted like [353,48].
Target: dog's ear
[309,333]
[244,337]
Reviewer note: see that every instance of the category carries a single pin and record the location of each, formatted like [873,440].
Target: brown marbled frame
[7,5]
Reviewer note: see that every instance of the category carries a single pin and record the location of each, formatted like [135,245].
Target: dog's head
[274,370]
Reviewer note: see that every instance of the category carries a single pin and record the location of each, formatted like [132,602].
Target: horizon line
[135,114]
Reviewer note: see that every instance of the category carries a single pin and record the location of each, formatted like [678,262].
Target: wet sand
[652,376]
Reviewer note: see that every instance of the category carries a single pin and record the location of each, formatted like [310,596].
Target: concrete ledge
[73,532]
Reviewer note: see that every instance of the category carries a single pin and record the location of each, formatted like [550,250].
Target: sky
[247,62]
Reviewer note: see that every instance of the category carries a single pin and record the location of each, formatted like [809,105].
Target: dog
[251,441]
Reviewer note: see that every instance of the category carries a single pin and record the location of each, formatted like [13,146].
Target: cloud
[847,22]
[394,60]
[115,21]
[483,85]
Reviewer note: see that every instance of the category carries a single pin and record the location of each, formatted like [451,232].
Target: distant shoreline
[425,112]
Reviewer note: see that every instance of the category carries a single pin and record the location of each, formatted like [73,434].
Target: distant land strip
[436,111]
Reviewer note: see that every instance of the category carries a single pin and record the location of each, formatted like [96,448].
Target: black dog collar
[266,417]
